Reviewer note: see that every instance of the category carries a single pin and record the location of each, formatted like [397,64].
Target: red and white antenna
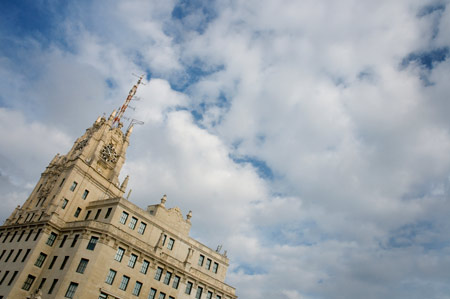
[127,101]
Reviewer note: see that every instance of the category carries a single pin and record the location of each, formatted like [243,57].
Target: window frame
[82,265]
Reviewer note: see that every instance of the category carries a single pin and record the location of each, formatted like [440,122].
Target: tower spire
[127,101]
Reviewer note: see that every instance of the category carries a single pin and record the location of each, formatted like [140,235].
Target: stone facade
[77,237]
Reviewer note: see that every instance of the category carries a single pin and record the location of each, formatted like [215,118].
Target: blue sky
[309,138]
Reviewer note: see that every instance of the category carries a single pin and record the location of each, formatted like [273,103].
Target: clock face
[109,153]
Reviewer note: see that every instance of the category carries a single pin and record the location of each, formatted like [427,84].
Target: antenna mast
[127,101]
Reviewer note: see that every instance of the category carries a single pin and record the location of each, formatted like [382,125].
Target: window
[87,215]
[7,235]
[71,290]
[162,295]
[41,285]
[152,294]
[64,203]
[200,260]
[52,287]
[137,288]
[92,242]
[40,260]
[123,218]
[29,235]
[103,296]
[3,253]
[51,239]
[85,194]
[82,265]
[28,282]
[12,238]
[97,214]
[133,222]
[215,267]
[144,267]
[9,255]
[63,264]
[164,240]
[198,295]
[75,239]
[37,235]
[124,283]
[62,182]
[63,241]
[209,295]
[218,297]
[77,212]
[119,254]
[176,282]
[12,278]
[111,276]
[26,254]
[170,297]
[170,244]
[17,255]
[132,260]
[108,212]
[4,277]
[74,185]
[52,262]
[142,227]
[158,273]
[208,264]
[188,288]
[167,278]
[21,235]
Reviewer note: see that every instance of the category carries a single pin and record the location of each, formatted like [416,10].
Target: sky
[310,138]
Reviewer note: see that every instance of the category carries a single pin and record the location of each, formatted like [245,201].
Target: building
[76,236]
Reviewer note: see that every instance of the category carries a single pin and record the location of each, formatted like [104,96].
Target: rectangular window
[208,264]
[4,277]
[119,254]
[92,242]
[13,236]
[75,239]
[167,278]
[21,235]
[26,255]
[152,294]
[63,241]
[40,260]
[176,282]
[162,295]
[132,260]
[133,222]
[17,255]
[74,185]
[12,278]
[6,237]
[188,288]
[51,239]
[37,234]
[218,297]
[28,282]
[142,227]
[164,240]
[108,212]
[198,295]
[124,283]
[170,297]
[137,288]
[85,194]
[41,285]
[3,253]
[52,287]
[215,267]
[29,235]
[9,255]
[77,212]
[209,295]
[97,214]
[158,273]
[123,218]
[71,290]
[62,182]
[170,244]
[201,259]
[64,203]
[87,215]
[63,264]
[144,266]
[52,262]
[111,276]
[82,265]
